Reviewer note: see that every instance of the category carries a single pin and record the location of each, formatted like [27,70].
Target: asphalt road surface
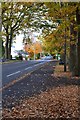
[39,80]
[12,71]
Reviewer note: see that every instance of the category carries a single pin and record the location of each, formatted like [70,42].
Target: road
[12,71]
[38,81]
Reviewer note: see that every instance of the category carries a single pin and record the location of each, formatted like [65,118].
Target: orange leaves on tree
[30,48]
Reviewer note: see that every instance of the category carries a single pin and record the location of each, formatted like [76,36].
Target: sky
[19,41]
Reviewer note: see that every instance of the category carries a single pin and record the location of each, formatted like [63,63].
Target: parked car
[49,57]
[61,62]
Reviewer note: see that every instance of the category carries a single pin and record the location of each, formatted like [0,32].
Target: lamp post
[65,52]
[34,52]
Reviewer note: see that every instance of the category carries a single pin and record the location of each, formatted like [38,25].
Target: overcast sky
[19,40]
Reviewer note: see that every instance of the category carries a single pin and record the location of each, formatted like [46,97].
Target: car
[61,62]
[49,57]
[19,54]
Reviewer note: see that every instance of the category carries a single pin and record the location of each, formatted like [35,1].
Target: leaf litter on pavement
[59,101]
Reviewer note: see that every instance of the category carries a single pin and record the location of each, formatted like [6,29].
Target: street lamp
[64,42]
[65,52]
[34,52]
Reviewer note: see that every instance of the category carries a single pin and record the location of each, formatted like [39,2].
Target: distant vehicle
[19,54]
[49,57]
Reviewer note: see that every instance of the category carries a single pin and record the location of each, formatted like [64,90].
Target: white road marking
[25,69]
[13,73]
[39,64]
[28,68]
[36,65]
[33,66]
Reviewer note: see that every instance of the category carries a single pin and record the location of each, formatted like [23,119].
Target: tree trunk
[65,69]
[78,44]
[10,43]
[73,66]
[6,45]
[78,50]
[72,62]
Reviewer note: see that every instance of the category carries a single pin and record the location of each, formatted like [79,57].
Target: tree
[66,13]
[78,44]
[17,16]
[14,16]
[33,47]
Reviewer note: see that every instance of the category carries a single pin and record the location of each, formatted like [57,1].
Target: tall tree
[14,16]
[67,12]
[17,16]
[78,44]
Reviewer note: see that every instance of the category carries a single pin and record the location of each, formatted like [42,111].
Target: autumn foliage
[33,47]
